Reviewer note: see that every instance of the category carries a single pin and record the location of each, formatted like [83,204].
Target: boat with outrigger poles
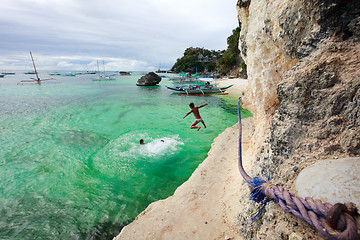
[195,89]
[37,80]
[200,86]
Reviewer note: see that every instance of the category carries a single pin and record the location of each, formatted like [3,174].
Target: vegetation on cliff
[207,61]
[230,59]
[200,59]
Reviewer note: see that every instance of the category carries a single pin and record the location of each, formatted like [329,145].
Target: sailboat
[37,80]
[103,77]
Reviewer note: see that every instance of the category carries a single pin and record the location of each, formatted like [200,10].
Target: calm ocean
[70,163]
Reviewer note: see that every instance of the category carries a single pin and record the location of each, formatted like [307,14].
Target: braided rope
[313,211]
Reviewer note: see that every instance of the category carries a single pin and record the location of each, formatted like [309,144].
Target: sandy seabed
[205,206]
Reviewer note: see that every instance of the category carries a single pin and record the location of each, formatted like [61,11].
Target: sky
[126,35]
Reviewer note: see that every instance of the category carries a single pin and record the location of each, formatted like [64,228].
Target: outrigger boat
[202,90]
[202,86]
[37,80]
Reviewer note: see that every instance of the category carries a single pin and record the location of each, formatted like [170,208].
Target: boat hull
[195,90]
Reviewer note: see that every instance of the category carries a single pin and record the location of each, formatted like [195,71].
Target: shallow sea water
[70,163]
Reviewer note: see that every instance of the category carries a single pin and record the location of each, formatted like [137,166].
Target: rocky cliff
[303,70]
[303,61]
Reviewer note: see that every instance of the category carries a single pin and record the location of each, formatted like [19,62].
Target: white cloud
[146,33]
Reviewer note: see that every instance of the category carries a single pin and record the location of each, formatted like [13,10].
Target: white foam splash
[128,147]
[161,146]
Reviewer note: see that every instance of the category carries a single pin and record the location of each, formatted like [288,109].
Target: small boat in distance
[103,77]
[37,80]
[55,74]
[69,74]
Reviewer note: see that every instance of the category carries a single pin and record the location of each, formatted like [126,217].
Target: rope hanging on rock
[333,221]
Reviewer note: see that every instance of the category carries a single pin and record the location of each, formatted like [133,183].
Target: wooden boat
[195,89]
[37,80]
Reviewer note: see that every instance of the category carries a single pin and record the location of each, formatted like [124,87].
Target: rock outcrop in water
[303,63]
[150,79]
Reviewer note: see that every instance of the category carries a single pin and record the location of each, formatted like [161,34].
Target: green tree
[196,59]
[204,60]
[231,57]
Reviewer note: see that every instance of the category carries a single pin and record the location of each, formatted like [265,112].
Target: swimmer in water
[195,111]
[142,142]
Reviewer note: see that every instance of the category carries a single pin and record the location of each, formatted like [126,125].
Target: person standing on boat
[207,85]
[195,111]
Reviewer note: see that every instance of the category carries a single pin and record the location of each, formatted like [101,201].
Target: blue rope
[256,194]
[256,182]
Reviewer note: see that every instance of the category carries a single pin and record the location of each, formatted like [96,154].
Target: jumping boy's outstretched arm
[187,114]
[203,105]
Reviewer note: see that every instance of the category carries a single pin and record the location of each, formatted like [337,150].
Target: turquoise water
[70,163]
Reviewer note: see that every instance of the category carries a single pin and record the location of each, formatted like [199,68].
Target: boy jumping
[195,111]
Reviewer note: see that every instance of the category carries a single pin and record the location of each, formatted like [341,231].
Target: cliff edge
[303,61]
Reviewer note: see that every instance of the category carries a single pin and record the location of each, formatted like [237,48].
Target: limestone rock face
[326,178]
[275,35]
[303,65]
[150,79]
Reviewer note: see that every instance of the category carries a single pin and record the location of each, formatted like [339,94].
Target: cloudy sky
[125,34]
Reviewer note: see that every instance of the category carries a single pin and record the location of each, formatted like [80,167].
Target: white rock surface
[332,180]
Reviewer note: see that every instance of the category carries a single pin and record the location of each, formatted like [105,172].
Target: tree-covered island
[211,62]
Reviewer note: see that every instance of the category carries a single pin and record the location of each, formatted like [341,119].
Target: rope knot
[334,217]
[258,195]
